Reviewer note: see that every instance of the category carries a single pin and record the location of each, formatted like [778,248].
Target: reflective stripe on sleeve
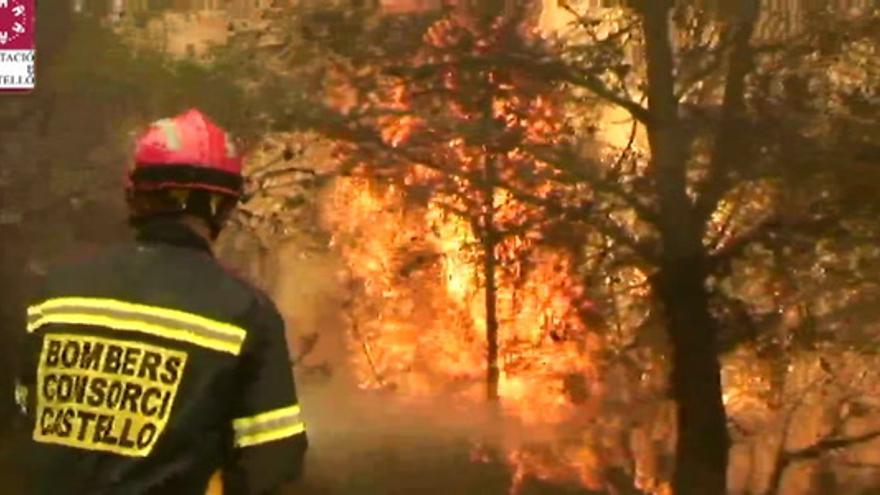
[268,426]
[152,320]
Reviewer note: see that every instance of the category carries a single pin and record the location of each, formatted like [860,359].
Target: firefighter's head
[185,166]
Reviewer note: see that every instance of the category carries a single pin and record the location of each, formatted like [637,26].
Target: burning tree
[454,136]
[435,215]
[680,218]
[693,205]
[719,184]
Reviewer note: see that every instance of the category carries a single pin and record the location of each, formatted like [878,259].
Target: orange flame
[420,319]
[415,268]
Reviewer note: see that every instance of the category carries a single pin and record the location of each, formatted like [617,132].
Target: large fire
[419,319]
[418,329]
[422,268]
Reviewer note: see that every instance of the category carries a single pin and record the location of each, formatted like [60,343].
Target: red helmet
[188,152]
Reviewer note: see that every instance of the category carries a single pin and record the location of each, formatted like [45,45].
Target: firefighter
[149,369]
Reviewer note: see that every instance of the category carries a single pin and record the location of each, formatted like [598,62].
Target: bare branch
[595,85]
[827,445]
[628,147]
[566,160]
[551,69]
[585,78]
[604,225]
[587,23]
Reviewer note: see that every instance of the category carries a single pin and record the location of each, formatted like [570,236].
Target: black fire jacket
[150,367]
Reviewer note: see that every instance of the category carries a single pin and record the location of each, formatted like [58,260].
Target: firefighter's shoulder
[267,312]
[263,307]
[73,266]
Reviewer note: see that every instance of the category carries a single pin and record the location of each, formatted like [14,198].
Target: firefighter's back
[135,371]
[149,367]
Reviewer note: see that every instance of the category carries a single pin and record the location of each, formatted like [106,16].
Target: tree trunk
[489,241]
[732,136]
[702,446]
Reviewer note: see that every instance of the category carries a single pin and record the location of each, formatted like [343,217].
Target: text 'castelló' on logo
[17,45]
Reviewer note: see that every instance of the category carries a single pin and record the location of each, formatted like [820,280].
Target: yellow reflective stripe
[171,314]
[161,322]
[139,326]
[271,435]
[272,415]
[268,426]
